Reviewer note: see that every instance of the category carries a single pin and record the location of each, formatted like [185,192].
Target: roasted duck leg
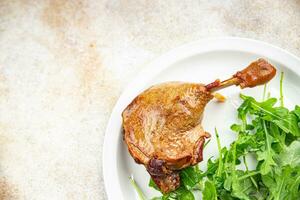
[162,125]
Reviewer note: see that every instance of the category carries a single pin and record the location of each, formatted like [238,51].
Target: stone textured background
[63,65]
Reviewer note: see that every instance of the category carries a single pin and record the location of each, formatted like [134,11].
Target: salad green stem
[245,162]
[247,169]
[206,143]
[137,188]
[220,167]
[234,158]
[281,90]
[268,147]
[279,190]
[265,91]
[249,175]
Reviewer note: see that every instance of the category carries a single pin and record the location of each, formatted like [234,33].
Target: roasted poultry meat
[162,125]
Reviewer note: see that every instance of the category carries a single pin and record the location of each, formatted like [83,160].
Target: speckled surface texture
[63,65]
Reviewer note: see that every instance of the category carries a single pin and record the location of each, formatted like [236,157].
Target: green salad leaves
[267,133]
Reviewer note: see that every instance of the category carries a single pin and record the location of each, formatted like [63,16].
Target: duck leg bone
[257,73]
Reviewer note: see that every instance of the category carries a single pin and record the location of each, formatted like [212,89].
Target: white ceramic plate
[201,61]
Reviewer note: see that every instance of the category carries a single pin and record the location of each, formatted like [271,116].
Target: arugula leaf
[228,183]
[209,192]
[157,198]
[266,155]
[244,108]
[241,188]
[290,155]
[153,184]
[180,194]
[286,120]
[211,168]
[297,111]
[278,136]
[190,177]
[283,185]
[248,143]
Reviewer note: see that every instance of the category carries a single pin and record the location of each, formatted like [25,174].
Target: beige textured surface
[64,63]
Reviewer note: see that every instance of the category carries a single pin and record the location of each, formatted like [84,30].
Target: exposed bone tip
[257,73]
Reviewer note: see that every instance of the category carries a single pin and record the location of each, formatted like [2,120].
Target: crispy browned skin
[162,125]
[162,129]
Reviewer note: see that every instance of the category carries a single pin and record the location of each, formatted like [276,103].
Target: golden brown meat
[162,125]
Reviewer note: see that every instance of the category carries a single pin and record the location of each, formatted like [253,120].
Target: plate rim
[110,144]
